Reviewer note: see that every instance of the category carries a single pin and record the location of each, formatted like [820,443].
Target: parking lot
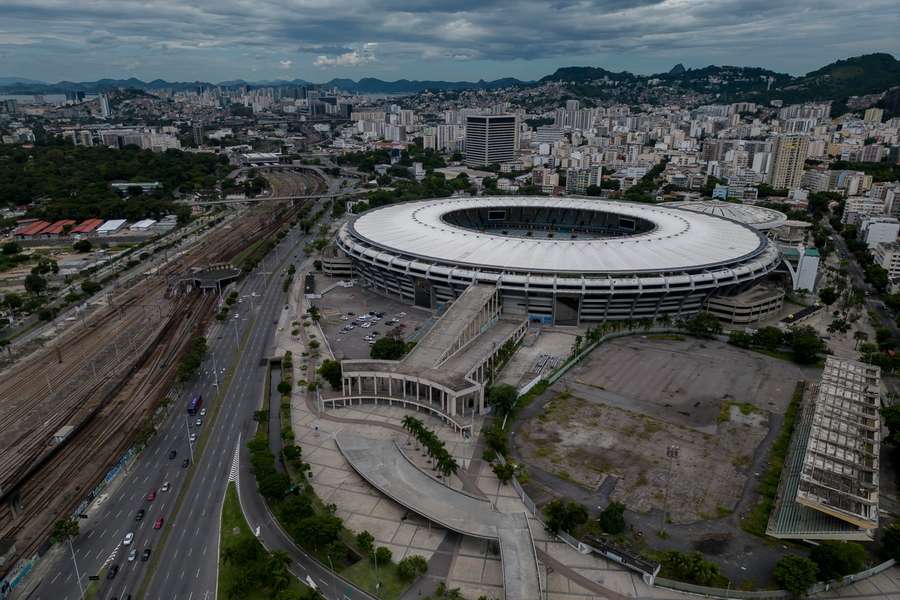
[353,318]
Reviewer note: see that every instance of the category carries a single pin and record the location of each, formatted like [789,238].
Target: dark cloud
[418,38]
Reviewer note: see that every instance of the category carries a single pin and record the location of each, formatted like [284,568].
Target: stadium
[556,260]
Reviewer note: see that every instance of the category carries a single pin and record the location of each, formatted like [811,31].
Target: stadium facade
[556,260]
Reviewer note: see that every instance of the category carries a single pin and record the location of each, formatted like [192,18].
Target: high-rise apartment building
[105,111]
[873,115]
[789,157]
[490,139]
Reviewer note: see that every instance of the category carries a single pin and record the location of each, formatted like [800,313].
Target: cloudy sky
[215,40]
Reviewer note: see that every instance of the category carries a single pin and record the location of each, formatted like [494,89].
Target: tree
[564,516]
[284,388]
[35,284]
[836,559]
[82,246]
[388,348]
[63,530]
[741,339]
[411,566]
[768,337]
[319,530]
[10,248]
[365,541]
[612,519]
[828,295]
[274,486]
[502,398]
[278,576]
[295,508]
[90,287]
[504,471]
[330,370]
[703,325]
[796,574]
[12,301]
[383,555]
[806,345]
[890,540]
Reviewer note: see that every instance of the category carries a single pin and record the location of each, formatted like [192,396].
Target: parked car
[185,463]
[202,412]
[132,555]
[165,487]
[198,422]
[193,437]
[129,537]
[146,555]
[172,454]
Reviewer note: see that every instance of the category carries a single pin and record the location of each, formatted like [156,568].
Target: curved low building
[556,260]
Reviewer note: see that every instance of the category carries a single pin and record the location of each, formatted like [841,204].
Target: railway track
[104,378]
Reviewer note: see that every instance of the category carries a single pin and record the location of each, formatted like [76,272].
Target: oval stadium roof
[680,239]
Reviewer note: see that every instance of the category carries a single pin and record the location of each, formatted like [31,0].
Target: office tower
[197,130]
[490,139]
[789,156]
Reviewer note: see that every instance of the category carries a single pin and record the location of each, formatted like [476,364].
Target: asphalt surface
[187,565]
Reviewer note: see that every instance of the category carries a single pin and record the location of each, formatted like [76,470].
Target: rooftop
[755,216]
[676,240]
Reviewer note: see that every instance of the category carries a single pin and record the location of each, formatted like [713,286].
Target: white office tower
[490,139]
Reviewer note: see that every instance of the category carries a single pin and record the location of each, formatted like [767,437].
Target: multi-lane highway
[186,566]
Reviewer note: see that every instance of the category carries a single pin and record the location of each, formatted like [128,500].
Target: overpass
[389,470]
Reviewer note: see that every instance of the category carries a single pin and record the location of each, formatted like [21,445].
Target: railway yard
[70,410]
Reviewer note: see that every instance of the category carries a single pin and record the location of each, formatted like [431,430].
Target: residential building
[787,166]
[878,230]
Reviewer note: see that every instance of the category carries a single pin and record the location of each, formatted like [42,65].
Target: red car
[158,524]
[151,495]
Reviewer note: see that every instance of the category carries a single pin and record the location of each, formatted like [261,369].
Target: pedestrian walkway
[384,466]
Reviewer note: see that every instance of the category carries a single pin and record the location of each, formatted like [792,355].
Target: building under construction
[829,485]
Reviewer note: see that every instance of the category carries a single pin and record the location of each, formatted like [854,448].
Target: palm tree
[279,576]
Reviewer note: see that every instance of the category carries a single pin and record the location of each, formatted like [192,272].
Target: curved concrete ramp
[384,466]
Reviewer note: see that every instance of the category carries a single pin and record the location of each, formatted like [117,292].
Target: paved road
[187,569]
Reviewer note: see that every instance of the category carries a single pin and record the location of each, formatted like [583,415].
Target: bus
[194,404]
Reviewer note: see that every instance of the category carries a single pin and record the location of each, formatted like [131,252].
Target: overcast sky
[216,40]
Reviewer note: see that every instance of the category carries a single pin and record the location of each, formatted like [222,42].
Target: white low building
[143,225]
[111,227]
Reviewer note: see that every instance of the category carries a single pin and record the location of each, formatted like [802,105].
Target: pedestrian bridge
[384,465]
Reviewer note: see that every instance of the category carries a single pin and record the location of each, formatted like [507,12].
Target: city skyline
[319,41]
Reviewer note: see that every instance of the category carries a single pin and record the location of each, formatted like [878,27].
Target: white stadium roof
[755,216]
[679,241]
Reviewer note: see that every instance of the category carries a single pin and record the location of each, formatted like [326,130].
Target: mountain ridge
[858,75]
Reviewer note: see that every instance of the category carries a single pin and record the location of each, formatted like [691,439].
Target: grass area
[758,518]
[234,532]
[725,410]
[362,574]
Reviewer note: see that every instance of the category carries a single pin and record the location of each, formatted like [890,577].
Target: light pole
[77,574]
[672,454]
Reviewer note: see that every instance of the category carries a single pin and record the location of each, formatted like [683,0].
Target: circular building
[757,217]
[556,260]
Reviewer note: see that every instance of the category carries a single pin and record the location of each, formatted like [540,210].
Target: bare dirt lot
[619,412]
